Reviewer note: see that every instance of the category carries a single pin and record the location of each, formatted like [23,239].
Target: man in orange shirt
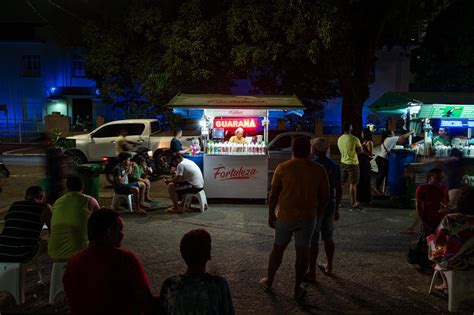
[300,188]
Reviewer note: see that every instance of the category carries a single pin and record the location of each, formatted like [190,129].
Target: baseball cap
[320,144]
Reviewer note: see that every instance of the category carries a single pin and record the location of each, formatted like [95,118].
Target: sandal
[324,269]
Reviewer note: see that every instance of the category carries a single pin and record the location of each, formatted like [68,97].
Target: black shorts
[183,188]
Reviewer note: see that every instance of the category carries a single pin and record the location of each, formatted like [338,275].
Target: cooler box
[198,159]
[396,181]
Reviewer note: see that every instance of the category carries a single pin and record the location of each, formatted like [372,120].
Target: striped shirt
[20,237]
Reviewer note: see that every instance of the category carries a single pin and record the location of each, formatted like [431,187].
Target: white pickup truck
[100,143]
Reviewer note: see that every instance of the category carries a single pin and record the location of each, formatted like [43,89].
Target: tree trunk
[352,110]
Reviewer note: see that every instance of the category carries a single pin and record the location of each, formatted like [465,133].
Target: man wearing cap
[325,225]
[238,138]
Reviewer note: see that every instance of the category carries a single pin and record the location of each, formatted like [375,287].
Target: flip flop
[264,285]
[301,294]
[323,268]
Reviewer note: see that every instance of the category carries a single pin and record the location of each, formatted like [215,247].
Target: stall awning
[397,102]
[216,101]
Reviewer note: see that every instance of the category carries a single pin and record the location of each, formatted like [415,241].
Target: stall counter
[236,176]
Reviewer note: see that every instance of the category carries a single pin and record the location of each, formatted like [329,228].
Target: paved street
[371,275]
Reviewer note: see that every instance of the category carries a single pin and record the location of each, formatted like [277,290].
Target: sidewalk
[371,274]
[12,147]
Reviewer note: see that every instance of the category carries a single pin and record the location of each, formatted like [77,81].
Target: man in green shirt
[442,138]
[350,146]
[69,221]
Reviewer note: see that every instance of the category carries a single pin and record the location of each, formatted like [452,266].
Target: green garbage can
[89,173]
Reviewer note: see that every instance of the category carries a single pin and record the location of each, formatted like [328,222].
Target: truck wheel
[163,162]
[77,156]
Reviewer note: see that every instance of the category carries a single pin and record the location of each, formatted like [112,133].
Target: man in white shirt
[389,141]
[188,180]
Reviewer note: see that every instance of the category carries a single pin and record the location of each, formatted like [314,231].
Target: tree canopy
[445,59]
[145,51]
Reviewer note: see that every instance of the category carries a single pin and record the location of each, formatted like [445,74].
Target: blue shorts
[125,189]
[302,230]
[325,225]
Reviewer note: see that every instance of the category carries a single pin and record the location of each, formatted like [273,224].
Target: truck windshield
[155,127]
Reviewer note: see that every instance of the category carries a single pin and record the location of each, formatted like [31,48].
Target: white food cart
[235,170]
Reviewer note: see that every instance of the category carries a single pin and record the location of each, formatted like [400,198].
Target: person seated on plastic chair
[69,220]
[188,180]
[122,186]
[196,291]
[103,278]
[451,247]
[20,240]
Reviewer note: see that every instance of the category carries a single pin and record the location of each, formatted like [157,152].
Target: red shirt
[431,197]
[106,281]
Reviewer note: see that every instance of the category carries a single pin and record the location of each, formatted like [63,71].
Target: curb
[17,153]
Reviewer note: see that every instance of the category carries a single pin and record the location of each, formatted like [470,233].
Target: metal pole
[19,132]
[265,130]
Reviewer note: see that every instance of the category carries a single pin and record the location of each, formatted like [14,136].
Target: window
[108,131]
[155,127]
[133,129]
[78,66]
[284,143]
[31,66]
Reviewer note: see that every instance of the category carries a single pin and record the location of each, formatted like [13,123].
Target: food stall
[427,113]
[235,169]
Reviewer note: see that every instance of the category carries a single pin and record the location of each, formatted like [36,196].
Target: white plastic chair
[200,196]
[56,284]
[117,198]
[460,286]
[12,279]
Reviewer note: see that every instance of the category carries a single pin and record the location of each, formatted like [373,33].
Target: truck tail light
[104,160]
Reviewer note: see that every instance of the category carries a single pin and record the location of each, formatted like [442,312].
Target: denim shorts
[302,230]
[125,189]
[325,226]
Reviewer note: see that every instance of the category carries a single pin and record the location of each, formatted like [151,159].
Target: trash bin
[89,173]
[396,181]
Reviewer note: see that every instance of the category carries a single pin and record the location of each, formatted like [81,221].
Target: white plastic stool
[12,278]
[460,286]
[200,196]
[116,199]
[56,284]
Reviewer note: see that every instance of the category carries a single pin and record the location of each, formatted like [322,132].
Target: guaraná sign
[245,123]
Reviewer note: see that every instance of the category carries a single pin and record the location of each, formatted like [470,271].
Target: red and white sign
[222,173]
[228,123]
[236,176]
